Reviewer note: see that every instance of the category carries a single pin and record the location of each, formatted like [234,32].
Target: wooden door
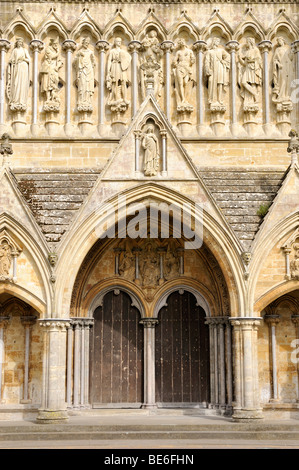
[182,353]
[116,354]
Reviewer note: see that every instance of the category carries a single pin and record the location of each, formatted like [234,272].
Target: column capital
[295,46]
[149,322]
[232,46]
[102,45]
[163,133]
[217,320]
[265,46]
[200,46]
[272,319]
[245,322]
[138,133]
[167,46]
[54,323]
[134,46]
[4,322]
[69,45]
[295,319]
[4,44]
[36,45]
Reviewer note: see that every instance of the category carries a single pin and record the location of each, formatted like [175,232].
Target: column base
[148,406]
[246,414]
[52,416]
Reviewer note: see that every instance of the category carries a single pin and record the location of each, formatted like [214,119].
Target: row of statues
[216,69]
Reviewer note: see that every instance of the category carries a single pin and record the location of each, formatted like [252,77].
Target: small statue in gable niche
[5,259]
[85,64]
[183,75]
[18,80]
[50,67]
[294,264]
[150,145]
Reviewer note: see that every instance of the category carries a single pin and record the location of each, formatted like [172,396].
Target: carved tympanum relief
[51,64]
[18,80]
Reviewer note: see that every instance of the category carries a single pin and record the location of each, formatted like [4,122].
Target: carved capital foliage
[4,45]
[36,45]
[69,45]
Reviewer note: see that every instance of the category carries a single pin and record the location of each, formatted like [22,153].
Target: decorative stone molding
[55,324]
[149,322]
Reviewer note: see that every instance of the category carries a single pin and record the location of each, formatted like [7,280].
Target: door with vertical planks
[182,353]
[116,354]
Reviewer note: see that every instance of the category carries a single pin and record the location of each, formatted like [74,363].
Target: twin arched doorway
[177,352]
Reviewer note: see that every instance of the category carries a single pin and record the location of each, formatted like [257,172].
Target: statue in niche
[150,145]
[127,266]
[216,67]
[149,266]
[294,264]
[182,70]
[117,80]
[250,73]
[150,68]
[5,259]
[85,64]
[282,72]
[50,67]
[18,81]
[171,265]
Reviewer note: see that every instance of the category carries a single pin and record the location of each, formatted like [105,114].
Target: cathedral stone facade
[149,223]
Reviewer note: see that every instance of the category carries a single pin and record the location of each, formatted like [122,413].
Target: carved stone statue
[282,72]
[294,264]
[150,68]
[85,64]
[117,80]
[127,266]
[6,148]
[50,75]
[216,66]
[151,152]
[18,77]
[250,73]
[5,259]
[149,267]
[171,265]
[183,76]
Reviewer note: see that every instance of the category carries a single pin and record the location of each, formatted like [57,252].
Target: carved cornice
[245,2]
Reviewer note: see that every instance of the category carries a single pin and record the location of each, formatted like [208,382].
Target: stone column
[295,320]
[54,400]
[134,47]
[212,326]
[136,250]
[232,47]
[88,324]
[69,46]
[229,374]
[69,368]
[36,46]
[149,362]
[221,361]
[272,321]
[138,135]
[3,324]
[27,321]
[163,134]
[265,47]
[246,405]
[295,48]
[200,47]
[167,46]
[77,324]
[102,47]
[4,47]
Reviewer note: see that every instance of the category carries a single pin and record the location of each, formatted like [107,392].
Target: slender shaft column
[232,47]
[229,374]
[134,47]
[27,321]
[200,47]
[3,324]
[69,365]
[77,347]
[295,48]
[295,319]
[4,47]
[137,250]
[102,47]
[237,365]
[54,399]
[82,366]
[138,135]
[167,46]
[88,324]
[210,321]
[265,47]
[149,362]
[272,321]
[36,46]
[222,391]
[69,46]
[163,134]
